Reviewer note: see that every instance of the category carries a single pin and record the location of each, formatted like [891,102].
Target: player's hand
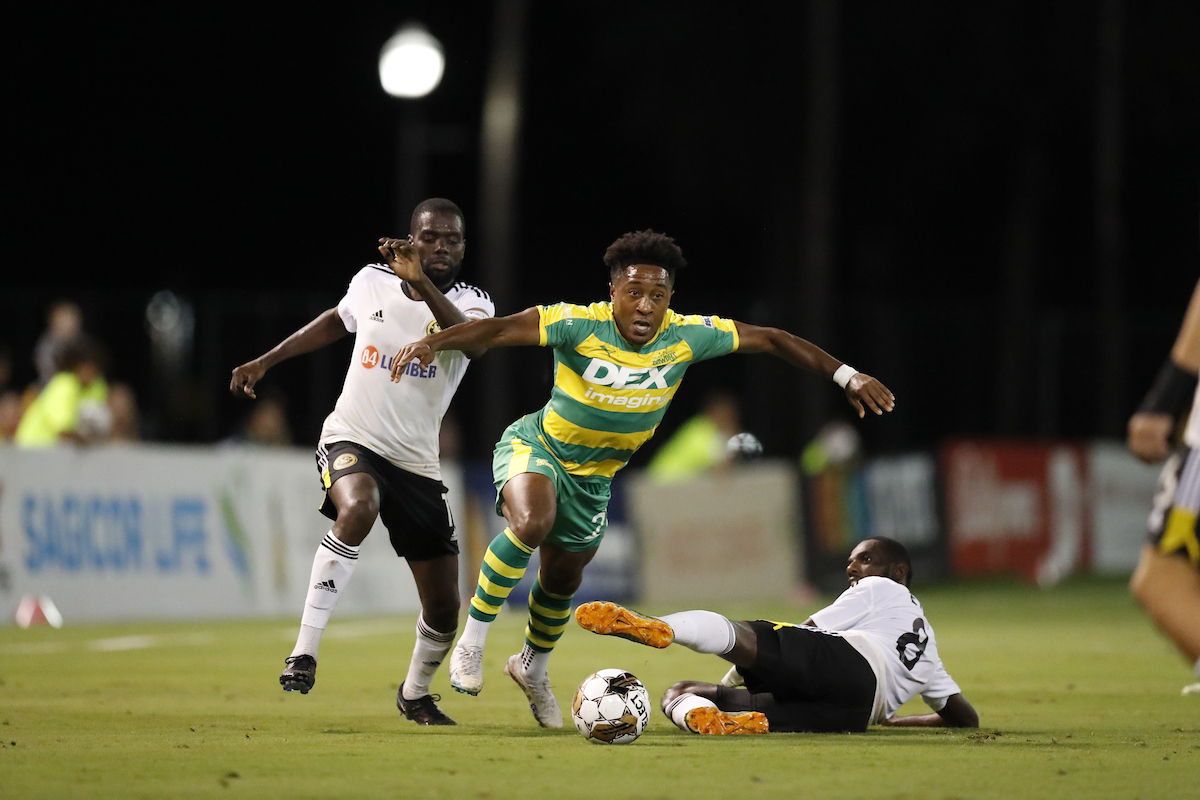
[417,351]
[244,378]
[1150,435]
[862,388]
[402,258]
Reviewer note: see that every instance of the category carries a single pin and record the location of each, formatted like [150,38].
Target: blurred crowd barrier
[146,531]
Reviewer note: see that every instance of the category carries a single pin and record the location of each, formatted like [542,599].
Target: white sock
[678,708]
[702,631]
[428,654]
[474,633]
[535,663]
[332,567]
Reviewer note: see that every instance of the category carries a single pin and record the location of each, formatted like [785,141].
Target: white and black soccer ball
[611,707]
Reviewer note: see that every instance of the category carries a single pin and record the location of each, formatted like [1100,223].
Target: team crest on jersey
[345,460]
[432,328]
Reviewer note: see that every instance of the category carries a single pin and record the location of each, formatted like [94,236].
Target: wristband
[843,374]
[1171,393]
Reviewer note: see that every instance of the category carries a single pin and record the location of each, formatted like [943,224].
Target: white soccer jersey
[886,623]
[399,421]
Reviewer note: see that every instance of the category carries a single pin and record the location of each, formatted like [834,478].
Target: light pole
[410,67]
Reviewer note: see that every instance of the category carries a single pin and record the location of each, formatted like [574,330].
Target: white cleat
[466,669]
[541,700]
[1191,688]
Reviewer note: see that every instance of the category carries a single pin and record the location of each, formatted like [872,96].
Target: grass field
[1077,694]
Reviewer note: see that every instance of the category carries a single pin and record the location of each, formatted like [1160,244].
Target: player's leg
[354,497]
[698,630]
[558,579]
[530,506]
[695,706]
[437,586]
[1167,580]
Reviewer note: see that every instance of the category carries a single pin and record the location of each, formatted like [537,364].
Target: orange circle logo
[369,357]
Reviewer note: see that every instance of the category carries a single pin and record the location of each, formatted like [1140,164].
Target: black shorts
[804,680]
[413,508]
[1172,524]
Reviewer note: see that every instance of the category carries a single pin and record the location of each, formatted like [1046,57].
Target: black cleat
[300,675]
[423,710]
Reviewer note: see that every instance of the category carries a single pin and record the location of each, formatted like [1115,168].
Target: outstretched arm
[476,334]
[321,331]
[957,713]
[860,388]
[402,258]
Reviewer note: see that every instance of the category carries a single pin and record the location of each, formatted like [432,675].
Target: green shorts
[582,502]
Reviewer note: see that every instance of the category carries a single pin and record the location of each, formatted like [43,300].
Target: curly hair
[644,247]
[436,205]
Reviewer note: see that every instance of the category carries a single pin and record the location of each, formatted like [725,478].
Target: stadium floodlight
[411,62]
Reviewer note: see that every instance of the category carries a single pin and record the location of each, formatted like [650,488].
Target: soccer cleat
[733,678]
[1191,688]
[610,619]
[714,721]
[541,700]
[423,710]
[466,669]
[300,675]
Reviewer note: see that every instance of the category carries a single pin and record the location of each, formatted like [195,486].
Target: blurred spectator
[267,424]
[123,409]
[700,443]
[10,415]
[73,405]
[6,366]
[64,323]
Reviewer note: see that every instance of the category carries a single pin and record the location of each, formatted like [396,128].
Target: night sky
[246,159]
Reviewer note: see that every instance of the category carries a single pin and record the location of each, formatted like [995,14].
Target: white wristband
[843,375]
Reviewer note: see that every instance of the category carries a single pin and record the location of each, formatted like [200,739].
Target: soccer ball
[611,707]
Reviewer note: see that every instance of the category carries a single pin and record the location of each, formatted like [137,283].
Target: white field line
[110,645]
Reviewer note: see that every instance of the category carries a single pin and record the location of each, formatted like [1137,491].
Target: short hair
[644,247]
[436,205]
[895,553]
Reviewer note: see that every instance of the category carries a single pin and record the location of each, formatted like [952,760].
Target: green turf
[1077,694]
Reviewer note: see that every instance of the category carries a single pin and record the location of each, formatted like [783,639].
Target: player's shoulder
[462,289]
[698,322]
[375,274]
[570,311]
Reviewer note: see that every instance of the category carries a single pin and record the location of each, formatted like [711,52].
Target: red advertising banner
[1016,507]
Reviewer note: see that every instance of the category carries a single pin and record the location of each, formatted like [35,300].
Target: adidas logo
[434,664]
[377,316]
[326,585]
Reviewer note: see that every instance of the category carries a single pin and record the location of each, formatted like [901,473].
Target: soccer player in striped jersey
[1167,579]
[378,454]
[617,366]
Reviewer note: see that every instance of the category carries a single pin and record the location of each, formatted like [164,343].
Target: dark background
[1012,215]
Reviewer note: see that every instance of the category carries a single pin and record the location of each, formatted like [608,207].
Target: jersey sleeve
[476,304]
[847,611]
[940,688]
[556,323]
[708,336]
[349,302]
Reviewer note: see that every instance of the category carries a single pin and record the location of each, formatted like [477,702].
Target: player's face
[640,298]
[866,560]
[440,244]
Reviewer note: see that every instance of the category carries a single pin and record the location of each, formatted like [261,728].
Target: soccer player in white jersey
[1167,579]
[850,665]
[378,451]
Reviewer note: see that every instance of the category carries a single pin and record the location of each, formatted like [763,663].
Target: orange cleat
[610,619]
[714,721]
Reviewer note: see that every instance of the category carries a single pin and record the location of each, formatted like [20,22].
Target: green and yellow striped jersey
[608,396]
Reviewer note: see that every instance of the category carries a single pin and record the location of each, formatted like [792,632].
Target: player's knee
[356,515]
[442,612]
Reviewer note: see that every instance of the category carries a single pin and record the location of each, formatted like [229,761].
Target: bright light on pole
[411,62]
